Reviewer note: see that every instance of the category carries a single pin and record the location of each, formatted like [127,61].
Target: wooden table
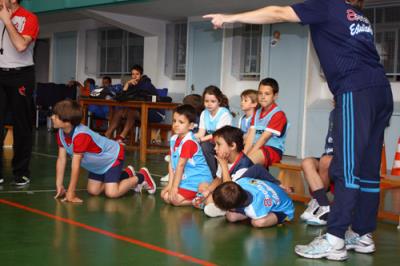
[144,113]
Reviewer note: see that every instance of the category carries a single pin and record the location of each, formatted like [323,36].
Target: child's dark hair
[252,94]
[68,111]
[196,101]
[91,81]
[231,135]
[107,78]
[214,90]
[188,111]
[138,68]
[229,195]
[270,82]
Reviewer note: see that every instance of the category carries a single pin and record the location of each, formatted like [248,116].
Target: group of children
[221,169]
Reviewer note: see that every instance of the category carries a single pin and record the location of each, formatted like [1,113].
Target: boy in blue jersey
[248,104]
[264,202]
[232,163]
[265,142]
[187,167]
[103,158]
[344,42]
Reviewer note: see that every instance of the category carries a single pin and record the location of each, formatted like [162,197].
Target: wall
[317,101]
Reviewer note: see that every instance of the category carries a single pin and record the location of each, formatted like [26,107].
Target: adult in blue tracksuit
[343,39]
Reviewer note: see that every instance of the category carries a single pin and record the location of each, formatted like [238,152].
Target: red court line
[110,234]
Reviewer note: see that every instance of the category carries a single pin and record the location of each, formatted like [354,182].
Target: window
[117,51]
[175,61]
[247,44]
[386,23]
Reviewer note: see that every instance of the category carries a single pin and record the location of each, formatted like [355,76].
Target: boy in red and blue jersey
[188,167]
[265,142]
[102,157]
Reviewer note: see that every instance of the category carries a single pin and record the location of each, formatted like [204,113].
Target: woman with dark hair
[344,42]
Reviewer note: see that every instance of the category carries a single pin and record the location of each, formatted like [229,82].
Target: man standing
[19,29]
[344,42]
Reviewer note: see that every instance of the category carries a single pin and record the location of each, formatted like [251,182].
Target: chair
[47,95]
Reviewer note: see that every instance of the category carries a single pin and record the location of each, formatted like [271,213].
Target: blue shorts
[113,175]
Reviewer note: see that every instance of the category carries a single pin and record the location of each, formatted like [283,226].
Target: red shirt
[277,123]
[25,22]
[84,143]
[188,150]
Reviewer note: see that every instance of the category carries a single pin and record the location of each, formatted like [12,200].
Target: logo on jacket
[21,91]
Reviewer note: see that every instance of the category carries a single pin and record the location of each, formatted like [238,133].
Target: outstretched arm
[76,164]
[265,15]
[60,170]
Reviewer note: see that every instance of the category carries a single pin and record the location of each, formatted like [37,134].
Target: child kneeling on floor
[102,157]
[187,167]
[261,201]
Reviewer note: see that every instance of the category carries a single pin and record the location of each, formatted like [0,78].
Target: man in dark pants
[344,42]
[19,29]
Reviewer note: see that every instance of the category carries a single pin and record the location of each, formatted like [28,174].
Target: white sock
[335,241]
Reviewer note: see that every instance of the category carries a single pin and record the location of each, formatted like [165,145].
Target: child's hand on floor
[71,197]
[60,192]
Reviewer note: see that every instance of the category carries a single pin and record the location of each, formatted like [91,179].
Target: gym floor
[139,229]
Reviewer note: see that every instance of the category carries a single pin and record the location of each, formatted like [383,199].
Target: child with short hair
[215,115]
[232,164]
[265,142]
[187,167]
[248,104]
[264,202]
[102,157]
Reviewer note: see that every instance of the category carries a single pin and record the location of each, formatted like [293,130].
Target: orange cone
[396,162]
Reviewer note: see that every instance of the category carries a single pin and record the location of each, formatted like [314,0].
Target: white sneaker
[316,219]
[165,178]
[321,248]
[312,207]
[360,244]
[213,211]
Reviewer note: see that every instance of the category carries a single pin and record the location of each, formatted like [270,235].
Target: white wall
[318,96]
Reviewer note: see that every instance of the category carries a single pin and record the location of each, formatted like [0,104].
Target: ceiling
[173,10]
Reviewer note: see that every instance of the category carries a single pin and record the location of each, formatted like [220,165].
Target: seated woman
[138,81]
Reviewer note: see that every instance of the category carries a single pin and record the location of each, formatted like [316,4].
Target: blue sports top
[244,123]
[344,41]
[260,125]
[97,163]
[196,169]
[266,197]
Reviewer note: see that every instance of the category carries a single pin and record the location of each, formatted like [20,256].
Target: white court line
[44,154]
[32,191]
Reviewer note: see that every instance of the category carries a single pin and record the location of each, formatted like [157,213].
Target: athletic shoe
[321,248]
[148,182]
[130,170]
[21,181]
[360,244]
[312,207]
[320,217]
[213,211]
[1,180]
[165,178]
[121,140]
[198,201]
